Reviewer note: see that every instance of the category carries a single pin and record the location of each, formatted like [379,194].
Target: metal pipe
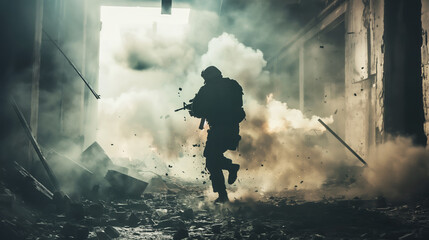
[341,141]
[74,67]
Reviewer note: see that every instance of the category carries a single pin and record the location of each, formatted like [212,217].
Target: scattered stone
[173,222]
[102,235]
[76,211]
[408,236]
[181,234]
[133,220]
[380,202]
[216,228]
[317,237]
[188,214]
[120,216]
[111,232]
[96,210]
[75,230]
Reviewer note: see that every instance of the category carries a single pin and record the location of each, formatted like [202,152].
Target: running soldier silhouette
[220,102]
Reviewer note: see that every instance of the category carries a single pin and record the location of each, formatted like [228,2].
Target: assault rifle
[189,107]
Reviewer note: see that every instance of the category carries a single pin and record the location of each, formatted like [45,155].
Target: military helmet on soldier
[210,73]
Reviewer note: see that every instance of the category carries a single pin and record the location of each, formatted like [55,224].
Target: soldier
[220,102]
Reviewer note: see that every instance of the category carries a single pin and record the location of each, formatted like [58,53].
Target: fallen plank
[31,189]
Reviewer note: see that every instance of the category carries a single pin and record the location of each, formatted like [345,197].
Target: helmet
[211,72]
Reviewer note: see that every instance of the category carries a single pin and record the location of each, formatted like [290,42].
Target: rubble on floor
[190,215]
[125,207]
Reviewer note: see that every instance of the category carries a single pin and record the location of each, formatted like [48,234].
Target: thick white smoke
[138,121]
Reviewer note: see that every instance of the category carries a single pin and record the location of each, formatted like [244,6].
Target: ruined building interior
[333,146]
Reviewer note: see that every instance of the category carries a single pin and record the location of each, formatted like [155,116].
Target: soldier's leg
[216,175]
[213,162]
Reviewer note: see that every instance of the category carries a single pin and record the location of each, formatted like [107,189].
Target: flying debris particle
[202,172]
[362,67]
[166,174]
[262,165]
[170,166]
[297,155]
[183,171]
[301,182]
[296,186]
[194,155]
[247,169]
[135,134]
[336,110]
[321,46]
[184,119]
[180,89]
[361,89]
[160,117]
[111,144]
[355,94]
[167,116]
[204,182]
[256,190]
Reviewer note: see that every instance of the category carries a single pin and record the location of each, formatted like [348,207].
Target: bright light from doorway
[143,25]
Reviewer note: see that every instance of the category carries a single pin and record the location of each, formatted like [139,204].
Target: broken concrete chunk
[125,186]
[96,159]
[156,184]
[73,177]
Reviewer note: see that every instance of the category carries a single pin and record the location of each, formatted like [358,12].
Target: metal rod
[341,141]
[35,145]
[74,67]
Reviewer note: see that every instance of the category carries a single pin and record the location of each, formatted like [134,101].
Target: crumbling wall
[364,74]
[67,107]
[425,63]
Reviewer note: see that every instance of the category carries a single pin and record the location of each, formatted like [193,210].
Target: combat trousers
[219,140]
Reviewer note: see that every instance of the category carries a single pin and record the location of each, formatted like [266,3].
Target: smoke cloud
[147,75]
[398,170]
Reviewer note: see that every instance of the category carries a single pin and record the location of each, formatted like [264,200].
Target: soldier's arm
[198,104]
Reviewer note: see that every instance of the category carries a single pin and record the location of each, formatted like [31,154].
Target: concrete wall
[364,74]
[425,63]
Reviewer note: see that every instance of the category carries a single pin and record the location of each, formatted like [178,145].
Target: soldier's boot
[223,197]
[233,173]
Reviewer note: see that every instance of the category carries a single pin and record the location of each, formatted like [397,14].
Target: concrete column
[301,78]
